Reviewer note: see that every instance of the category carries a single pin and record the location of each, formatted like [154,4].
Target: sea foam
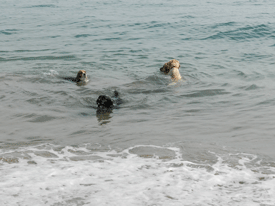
[79,176]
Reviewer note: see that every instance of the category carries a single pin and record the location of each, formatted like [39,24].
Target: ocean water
[205,140]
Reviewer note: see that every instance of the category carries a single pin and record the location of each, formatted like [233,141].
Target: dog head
[104,101]
[166,68]
[81,76]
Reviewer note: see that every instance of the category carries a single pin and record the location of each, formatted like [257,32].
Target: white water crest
[135,176]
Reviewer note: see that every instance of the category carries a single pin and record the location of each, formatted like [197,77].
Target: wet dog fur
[105,102]
[172,68]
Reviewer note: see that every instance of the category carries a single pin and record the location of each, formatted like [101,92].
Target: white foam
[51,73]
[79,176]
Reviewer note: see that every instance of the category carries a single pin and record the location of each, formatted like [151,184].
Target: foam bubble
[81,176]
[51,73]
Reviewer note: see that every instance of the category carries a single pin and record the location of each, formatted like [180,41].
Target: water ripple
[66,57]
[207,92]
[244,33]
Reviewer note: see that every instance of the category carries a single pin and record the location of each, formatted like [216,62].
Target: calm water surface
[206,140]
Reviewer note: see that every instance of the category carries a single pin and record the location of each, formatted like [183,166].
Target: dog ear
[79,74]
[165,68]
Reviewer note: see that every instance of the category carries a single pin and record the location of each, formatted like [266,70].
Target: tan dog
[172,68]
[81,77]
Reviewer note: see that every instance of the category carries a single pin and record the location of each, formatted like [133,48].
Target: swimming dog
[81,77]
[105,106]
[104,102]
[172,68]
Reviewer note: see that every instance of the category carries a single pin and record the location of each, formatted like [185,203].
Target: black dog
[105,102]
[105,106]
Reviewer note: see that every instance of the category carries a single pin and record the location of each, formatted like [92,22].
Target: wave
[66,57]
[139,175]
[243,33]
[43,6]
[207,92]
[8,31]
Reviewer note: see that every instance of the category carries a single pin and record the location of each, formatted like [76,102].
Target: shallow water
[205,140]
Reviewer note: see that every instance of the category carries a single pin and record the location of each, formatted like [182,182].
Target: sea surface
[208,139]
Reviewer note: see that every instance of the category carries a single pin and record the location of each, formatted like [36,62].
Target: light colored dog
[172,68]
[81,77]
